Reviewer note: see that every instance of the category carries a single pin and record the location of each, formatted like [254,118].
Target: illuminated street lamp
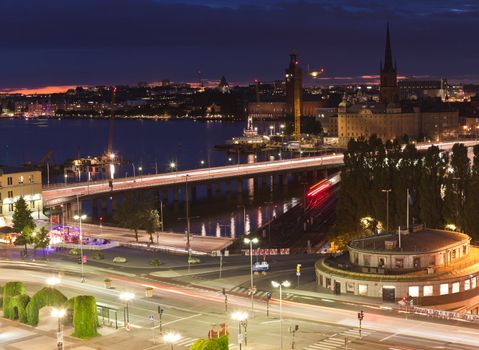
[172,166]
[284,284]
[126,297]
[66,178]
[59,314]
[53,281]
[241,317]
[202,162]
[171,338]
[80,218]
[250,241]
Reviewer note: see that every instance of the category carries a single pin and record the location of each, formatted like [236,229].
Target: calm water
[146,144]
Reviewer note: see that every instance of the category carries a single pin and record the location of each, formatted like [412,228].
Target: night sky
[69,42]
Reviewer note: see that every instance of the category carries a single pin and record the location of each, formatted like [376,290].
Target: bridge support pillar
[176,194]
[256,184]
[114,204]
[325,173]
[209,190]
[264,182]
[94,209]
[193,193]
[239,186]
[164,196]
[217,186]
[228,187]
[284,180]
[104,207]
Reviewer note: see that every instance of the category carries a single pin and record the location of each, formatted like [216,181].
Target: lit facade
[16,183]
[435,267]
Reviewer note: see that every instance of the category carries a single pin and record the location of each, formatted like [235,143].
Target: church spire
[388,57]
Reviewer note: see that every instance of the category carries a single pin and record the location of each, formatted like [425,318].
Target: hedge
[85,318]
[20,302]
[220,343]
[44,297]
[11,290]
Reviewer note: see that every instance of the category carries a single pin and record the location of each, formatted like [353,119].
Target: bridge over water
[279,171]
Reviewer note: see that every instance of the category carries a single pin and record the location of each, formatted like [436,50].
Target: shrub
[220,343]
[85,318]
[198,345]
[119,260]
[223,342]
[11,290]
[74,251]
[44,297]
[155,262]
[98,256]
[20,302]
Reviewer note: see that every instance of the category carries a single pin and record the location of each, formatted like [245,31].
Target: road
[59,193]
[193,310]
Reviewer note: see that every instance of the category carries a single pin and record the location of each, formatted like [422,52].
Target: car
[261,266]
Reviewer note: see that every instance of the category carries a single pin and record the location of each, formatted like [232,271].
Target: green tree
[457,181]
[131,212]
[434,166]
[41,240]
[23,223]
[472,199]
[152,222]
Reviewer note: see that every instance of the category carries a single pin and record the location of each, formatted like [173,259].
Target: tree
[457,181]
[434,166]
[472,199]
[152,222]
[41,240]
[23,223]
[130,213]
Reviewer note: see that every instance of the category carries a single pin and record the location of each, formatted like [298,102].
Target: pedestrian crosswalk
[354,333]
[187,342]
[338,341]
[260,293]
[326,344]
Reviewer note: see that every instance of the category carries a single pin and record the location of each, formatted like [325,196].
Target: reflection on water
[231,223]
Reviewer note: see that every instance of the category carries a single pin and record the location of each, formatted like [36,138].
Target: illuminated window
[473,282]
[363,289]
[427,291]
[444,289]
[455,287]
[467,284]
[414,291]
[367,260]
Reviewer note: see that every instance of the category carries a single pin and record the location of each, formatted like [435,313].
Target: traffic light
[160,310]
[360,315]
[404,299]
[296,328]
[269,295]
[298,268]
[224,291]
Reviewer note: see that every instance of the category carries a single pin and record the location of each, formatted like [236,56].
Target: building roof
[426,240]
[13,170]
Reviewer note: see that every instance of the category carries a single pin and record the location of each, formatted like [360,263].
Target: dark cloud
[48,42]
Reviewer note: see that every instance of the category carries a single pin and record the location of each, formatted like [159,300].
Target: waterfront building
[434,267]
[16,183]
[390,117]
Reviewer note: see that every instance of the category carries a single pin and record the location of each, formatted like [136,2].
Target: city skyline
[111,43]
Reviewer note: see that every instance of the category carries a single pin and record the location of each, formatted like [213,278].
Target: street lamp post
[240,317]
[387,207]
[250,241]
[59,314]
[80,217]
[285,284]
[171,338]
[126,297]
